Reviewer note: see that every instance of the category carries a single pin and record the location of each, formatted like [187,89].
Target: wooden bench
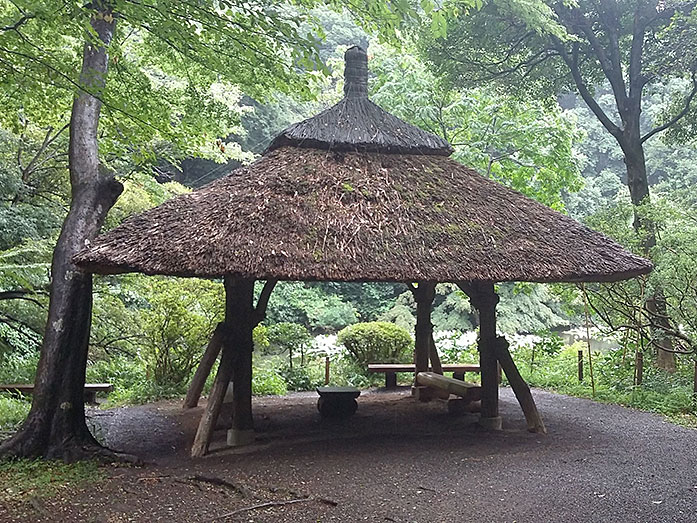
[391,369]
[91,389]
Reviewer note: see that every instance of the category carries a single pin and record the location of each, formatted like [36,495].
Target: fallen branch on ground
[274,504]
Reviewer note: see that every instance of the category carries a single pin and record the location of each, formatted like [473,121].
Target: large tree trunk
[637,181]
[55,427]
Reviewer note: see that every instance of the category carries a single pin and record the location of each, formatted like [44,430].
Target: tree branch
[18,23]
[263,302]
[572,63]
[677,117]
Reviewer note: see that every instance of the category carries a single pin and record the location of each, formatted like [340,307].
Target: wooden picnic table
[391,369]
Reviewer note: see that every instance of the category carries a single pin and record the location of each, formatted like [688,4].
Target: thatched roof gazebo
[356,194]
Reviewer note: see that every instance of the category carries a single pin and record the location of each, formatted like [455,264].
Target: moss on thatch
[290,216]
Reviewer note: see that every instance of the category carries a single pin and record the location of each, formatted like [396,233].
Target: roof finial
[355,72]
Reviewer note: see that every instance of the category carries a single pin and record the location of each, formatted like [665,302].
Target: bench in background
[391,369]
[91,389]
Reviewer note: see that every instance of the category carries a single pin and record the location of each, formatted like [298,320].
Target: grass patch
[661,392]
[13,411]
[21,480]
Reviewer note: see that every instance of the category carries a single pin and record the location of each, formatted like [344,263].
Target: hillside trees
[632,45]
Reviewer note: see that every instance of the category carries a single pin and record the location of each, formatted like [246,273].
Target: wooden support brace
[215,400]
[193,394]
[520,388]
[204,368]
[433,356]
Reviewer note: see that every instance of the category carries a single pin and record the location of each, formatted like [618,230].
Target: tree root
[24,444]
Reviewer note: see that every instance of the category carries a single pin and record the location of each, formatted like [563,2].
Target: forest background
[149,332]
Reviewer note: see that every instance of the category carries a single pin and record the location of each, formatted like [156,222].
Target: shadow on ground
[395,460]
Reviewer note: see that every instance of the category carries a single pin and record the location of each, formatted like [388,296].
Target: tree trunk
[235,365]
[637,181]
[55,427]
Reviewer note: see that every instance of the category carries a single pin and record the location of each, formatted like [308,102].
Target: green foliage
[123,372]
[13,411]
[290,338]
[178,320]
[549,343]
[17,367]
[170,67]
[660,392]
[376,342]
[302,377]
[260,338]
[141,192]
[308,305]
[24,479]
[454,347]
[528,308]
[523,144]
[451,309]
[266,381]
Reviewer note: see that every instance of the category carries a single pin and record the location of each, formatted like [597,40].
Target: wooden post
[326,370]
[694,386]
[484,299]
[639,370]
[240,304]
[520,388]
[423,295]
[235,364]
[204,368]
[580,365]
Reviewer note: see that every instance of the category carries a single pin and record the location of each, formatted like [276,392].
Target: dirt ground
[396,460]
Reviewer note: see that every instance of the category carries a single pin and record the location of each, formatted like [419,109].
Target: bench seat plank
[410,367]
[29,387]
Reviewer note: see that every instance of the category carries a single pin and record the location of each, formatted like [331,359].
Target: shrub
[177,324]
[120,371]
[132,386]
[266,381]
[376,342]
[306,377]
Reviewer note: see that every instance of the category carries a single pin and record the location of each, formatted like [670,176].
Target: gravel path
[403,461]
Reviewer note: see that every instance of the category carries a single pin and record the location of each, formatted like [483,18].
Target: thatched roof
[310,214]
[357,124]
